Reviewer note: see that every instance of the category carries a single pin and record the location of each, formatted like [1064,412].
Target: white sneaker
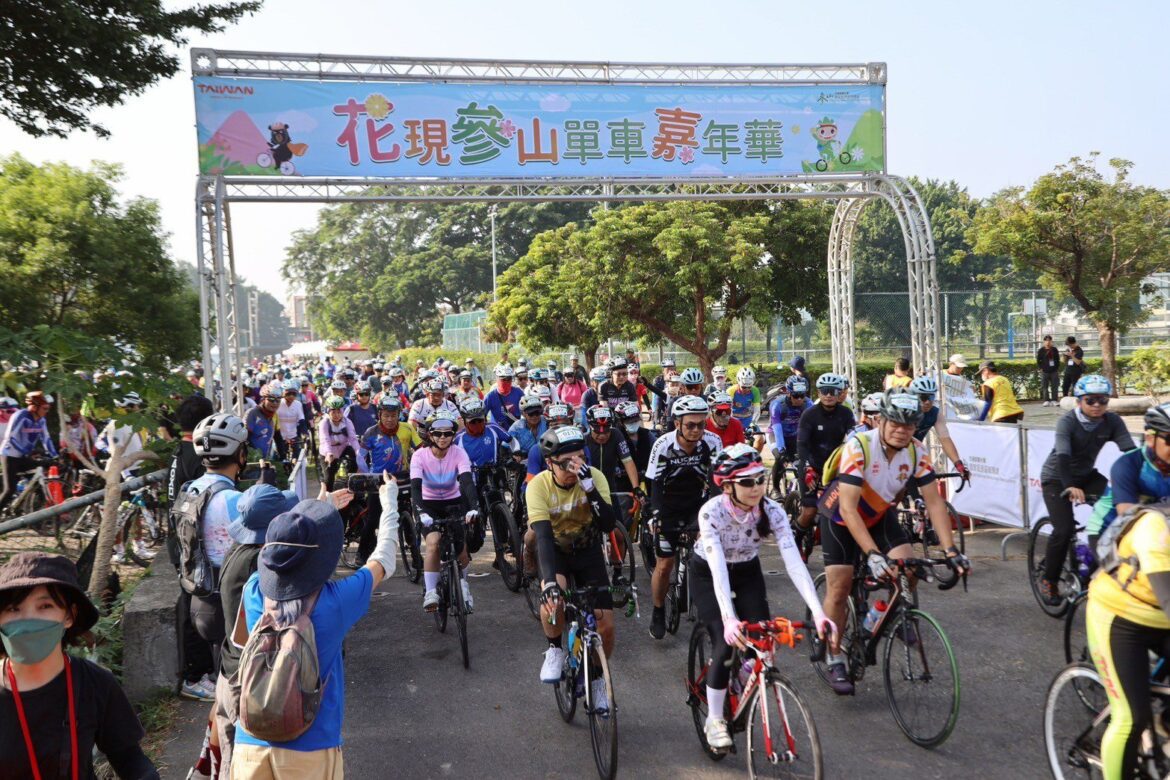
[598,698]
[467,599]
[554,662]
[143,552]
[431,600]
[208,685]
[718,737]
[119,555]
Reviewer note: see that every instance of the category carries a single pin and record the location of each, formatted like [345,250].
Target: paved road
[413,711]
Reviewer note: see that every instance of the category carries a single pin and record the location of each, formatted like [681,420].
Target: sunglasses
[476,421]
[442,434]
[796,396]
[722,411]
[363,395]
[693,426]
[926,397]
[600,428]
[827,392]
[1096,400]
[532,412]
[751,481]
[561,464]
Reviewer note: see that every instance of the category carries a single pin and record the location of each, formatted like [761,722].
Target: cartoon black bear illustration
[281,150]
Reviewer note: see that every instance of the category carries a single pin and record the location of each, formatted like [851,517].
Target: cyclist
[728,581]
[522,378]
[569,509]
[434,401]
[718,383]
[440,480]
[1140,476]
[745,398]
[27,432]
[261,421]
[542,381]
[337,440]
[466,388]
[784,417]
[1069,472]
[531,425]
[337,389]
[399,384]
[618,386]
[591,397]
[362,413]
[691,383]
[387,446]
[556,415]
[290,424]
[679,472]
[858,512]
[822,429]
[639,438]
[926,388]
[609,451]
[572,387]
[309,398]
[482,441]
[871,412]
[722,422]
[503,401]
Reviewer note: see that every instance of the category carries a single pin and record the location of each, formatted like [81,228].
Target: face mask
[31,640]
[633,428]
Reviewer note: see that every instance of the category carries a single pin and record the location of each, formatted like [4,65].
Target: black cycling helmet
[899,406]
[1157,418]
[561,441]
[389,403]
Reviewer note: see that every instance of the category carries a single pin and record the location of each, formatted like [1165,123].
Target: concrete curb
[149,656]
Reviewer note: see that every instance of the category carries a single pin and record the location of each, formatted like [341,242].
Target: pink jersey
[440,476]
[335,438]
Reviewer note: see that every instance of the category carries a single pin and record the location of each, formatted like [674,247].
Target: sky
[990,94]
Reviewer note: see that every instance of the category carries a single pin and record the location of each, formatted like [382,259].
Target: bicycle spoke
[782,737]
[1072,729]
[921,678]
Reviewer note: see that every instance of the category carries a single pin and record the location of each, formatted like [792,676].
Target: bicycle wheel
[530,587]
[957,524]
[646,546]
[1076,640]
[603,724]
[509,545]
[673,597]
[566,692]
[1073,729]
[444,603]
[127,521]
[849,635]
[782,738]
[459,607]
[1037,549]
[408,543]
[698,661]
[619,561]
[921,678]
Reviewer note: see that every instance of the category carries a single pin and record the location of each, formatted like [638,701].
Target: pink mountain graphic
[238,140]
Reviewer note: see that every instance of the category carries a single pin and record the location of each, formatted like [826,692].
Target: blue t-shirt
[484,449]
[383,451]
[1133,479]
[524,437]
[496,403]
[784,418]
[260,430]
[342,603]
[361,418]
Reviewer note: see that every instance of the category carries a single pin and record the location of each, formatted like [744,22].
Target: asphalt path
[412,711]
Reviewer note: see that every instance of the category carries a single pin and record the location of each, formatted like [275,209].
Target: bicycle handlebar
[920,565]
[950,474]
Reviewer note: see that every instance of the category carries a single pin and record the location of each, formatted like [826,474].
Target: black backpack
[197,576]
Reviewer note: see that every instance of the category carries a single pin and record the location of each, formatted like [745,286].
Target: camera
[364,483]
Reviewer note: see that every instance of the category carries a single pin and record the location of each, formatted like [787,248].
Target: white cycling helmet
[872,403]
[924,385]
[219,435]
[691,376]
[598,373]
[745,377]
[689,404]
[719,371]
[530,402]
[543,392]
[720,398]
[831,381]
[504,371]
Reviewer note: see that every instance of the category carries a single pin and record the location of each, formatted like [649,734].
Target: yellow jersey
[1003,401]
[1148,539]
[567,510]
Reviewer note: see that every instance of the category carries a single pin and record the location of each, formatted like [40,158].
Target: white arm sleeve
[793,564]
[386,549]
[755,412]
[713,554]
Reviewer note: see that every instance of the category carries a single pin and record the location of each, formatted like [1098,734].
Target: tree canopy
[61,60]
[73,255]
[1093,239]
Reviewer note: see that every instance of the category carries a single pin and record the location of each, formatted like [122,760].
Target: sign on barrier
[992,453]
[1040,442]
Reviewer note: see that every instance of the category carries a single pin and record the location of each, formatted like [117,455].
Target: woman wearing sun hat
[300,552]
[54,708]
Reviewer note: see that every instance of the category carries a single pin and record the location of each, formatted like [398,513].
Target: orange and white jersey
[881,479]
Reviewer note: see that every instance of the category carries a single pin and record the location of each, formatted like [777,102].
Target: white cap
[959,360]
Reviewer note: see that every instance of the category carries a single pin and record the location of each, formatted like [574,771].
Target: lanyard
[28,743]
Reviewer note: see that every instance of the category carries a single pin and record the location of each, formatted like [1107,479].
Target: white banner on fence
[1040,443]
[992,452]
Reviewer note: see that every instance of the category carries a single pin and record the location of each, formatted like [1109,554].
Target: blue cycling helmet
[924,385]
[797,384]
[1092,384]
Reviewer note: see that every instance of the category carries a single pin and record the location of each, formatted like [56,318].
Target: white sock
[431,579]
[715,700]
[463,573]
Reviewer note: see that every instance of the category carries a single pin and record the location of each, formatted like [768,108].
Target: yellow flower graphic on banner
[377,106]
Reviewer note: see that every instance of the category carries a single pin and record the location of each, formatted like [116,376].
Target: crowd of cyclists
[678,463]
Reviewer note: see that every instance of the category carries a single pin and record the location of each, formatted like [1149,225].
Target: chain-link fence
[464,332]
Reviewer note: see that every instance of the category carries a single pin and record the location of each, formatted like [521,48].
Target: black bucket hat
[301,550]
[30,569]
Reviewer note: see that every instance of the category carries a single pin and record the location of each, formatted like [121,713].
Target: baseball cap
[959,360]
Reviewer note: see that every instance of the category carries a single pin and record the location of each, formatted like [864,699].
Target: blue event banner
[444,130]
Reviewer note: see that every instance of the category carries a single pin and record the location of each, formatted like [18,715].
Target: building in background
[297,311]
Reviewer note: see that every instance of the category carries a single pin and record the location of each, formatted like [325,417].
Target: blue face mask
[31,640]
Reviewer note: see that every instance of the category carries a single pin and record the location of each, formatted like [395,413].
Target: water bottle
[874,616]
[745,673]
[1086,561]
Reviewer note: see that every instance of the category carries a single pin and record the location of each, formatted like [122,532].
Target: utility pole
[492,214]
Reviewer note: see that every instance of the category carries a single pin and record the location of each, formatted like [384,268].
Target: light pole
[492,214]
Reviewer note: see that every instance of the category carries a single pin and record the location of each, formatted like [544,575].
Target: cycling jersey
[589,399]
[732,433]
[735,531]
[929,418]
[24,433]
[484,450]
[1127,591]
[567,510]
[820,431]
[610,459]
[462,395]
[421,409]
[536,464]
[439,476]
[611,395]
[290,418]
[744,403]
[784,418]
[1134,479]
[504,409]
[389,452]
[882,481]
[680,479]
[525,437]
[361,417]
[334,439]
[572,392]
[1074,452]
[261,428]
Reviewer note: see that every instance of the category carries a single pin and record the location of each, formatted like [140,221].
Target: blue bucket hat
[257,506]
[301,550]
[797,363]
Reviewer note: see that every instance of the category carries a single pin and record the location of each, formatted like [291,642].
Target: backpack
[197,575]
[833,463]
[1108,543]
[280,676]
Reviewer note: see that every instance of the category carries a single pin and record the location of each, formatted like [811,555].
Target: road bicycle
[782,738]
[1076,714]
[1076,638]
[919,669]
[1074,572]
[678,592]
[915,521]
[138,520]
[34,491]
[490,485]
[449,588]
[785,485]
[586,663]
[617,549]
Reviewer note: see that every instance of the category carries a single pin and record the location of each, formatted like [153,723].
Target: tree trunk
[767,343]
[983,326]
[590,351]
[1108,336]
[109,526]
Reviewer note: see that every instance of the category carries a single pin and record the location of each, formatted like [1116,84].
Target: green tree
[73,255]
[1090,238]
[59,61]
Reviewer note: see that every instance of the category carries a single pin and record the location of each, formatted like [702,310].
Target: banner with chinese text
[410,130]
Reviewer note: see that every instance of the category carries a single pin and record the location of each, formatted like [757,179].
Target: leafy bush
[1149,370]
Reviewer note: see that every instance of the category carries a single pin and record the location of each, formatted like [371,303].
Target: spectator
[901,376]
[27,433]
[797,366]
[476,374]
[1074,366]
[55,708]
[999,400]
[301,550]
[961,401]
[1048,361]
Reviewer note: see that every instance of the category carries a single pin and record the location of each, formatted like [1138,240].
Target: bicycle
[408,545]
[1074,573]
[585,663]
[785,485]
[1076,713]
[772,736]
[449,588]
[33,493]
[617,550]
[1076,639]
[490,483]
[928,667]
[140,509]
[915,520]
[678,596]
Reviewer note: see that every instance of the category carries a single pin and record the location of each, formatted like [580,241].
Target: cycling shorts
[440,510]
[587,568]
[840,548]
[671,526]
